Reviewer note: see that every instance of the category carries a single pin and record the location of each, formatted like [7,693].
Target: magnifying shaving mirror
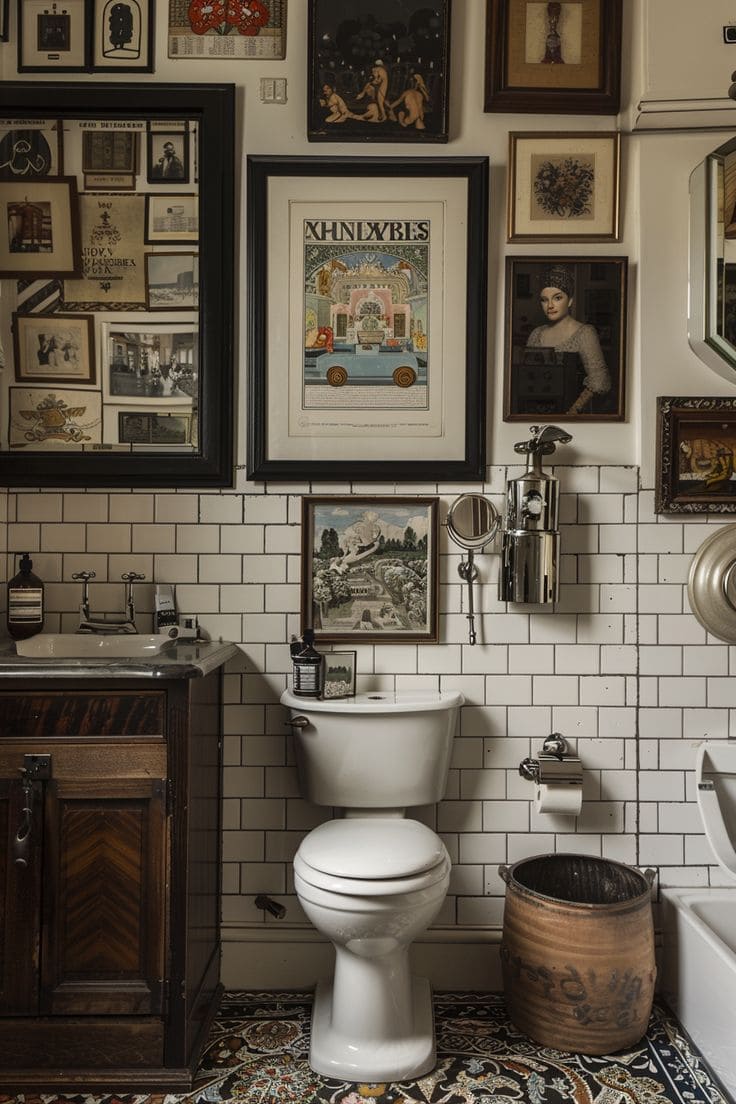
[472,523]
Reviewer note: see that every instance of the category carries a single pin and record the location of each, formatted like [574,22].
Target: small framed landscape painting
[369,568]
[339,675]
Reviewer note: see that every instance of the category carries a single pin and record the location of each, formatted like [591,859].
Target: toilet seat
[372,857]
[715,777]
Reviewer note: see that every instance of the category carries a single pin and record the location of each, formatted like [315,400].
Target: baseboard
[296,958]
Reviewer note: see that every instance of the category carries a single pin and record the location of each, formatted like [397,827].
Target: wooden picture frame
[375,78]
[577,372]
[370,568]
[31,151]
[561,58]
[339,681]
[51,41]
[103,287]
[167,157]
[563,186]
[371,354]
[171,219]
[696,454]
[41,227]
[122,36]
[54,348]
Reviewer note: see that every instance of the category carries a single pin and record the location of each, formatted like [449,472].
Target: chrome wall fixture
[531,541]
[472,522]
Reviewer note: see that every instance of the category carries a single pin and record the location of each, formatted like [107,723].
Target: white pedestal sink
[90,645]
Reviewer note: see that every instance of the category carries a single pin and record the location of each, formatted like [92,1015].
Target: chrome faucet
[107,622]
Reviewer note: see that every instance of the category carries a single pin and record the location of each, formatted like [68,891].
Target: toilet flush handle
[298,722]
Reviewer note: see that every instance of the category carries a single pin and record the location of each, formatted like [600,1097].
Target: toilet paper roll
[559,798]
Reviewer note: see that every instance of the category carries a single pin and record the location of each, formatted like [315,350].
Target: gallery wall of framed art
[119,204]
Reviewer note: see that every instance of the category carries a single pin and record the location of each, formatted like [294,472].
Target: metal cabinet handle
[21,846]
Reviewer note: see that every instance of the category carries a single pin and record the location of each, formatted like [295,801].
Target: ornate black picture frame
[696,455]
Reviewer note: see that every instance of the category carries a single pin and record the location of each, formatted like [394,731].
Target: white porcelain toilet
[715,777]
[373,880]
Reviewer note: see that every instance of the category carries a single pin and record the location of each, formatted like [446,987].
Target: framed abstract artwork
[378,73]
[559,58]
[367,321]
[54,348]
[370,568]
[564,187]
[696,456]
[565,338]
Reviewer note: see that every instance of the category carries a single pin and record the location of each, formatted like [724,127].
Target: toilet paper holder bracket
[553,764]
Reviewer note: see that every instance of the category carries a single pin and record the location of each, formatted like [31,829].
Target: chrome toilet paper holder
[553,765]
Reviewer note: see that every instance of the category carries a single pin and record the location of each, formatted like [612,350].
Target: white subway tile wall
[621,668]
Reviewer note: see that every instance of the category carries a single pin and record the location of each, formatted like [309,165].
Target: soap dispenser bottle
[25,601]
[308,668]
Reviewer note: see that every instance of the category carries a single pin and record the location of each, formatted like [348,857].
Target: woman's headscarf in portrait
[557,276]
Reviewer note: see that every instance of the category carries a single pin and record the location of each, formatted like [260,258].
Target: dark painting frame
[454,188]
[544,383]
[394,88]
[591,85]
[696,455]
[380,609]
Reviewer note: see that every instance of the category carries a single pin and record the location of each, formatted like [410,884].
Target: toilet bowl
[373,880]
[715,778]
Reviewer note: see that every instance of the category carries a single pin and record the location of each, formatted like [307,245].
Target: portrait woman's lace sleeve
[597,376]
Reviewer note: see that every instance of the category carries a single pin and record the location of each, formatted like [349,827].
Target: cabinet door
[104,895]
[19,903]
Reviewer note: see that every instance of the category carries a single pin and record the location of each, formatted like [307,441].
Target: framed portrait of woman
[565,353]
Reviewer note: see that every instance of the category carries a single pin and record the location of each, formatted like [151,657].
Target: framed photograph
[339,675]
[40,227]
[55,421]
[369,568]
[109,160]
[565,338]
[54,348]
[31,150]
[122,36]
[149,428]
[167,158]
[371,353]
[172,219]
[172,281]
[553,58]
[146,363]
[244,29]
[696,456]
[563,187]
[52,38]
[378,73]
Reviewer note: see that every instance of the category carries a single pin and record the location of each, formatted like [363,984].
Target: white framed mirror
[712,262]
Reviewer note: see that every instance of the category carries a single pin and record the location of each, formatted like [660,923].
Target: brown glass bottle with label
[25,601]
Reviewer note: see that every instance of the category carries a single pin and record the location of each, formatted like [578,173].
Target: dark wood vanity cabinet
[110,896]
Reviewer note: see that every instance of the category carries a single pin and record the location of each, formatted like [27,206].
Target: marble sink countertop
[188,659]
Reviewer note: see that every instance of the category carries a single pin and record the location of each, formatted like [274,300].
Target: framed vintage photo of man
[54,348]
[563,187]
[52,38]
[339,675]
[171,219]
[40,227]
[172,281]
[370,568]
[696,455]
[378,73]
[167,156]
[565,354]
[559,57]
[122,36]
[370,354]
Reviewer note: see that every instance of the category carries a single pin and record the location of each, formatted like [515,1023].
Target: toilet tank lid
[369,847]
[378,701]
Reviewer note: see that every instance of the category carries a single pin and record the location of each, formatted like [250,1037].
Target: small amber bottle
[25,601]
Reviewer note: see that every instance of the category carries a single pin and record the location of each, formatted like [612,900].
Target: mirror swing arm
[472,523]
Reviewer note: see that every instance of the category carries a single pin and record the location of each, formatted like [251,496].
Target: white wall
[621,667]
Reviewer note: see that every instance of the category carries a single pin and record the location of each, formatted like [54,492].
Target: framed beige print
[562,57]
[171,219]
[563,187]
[52,38]
[40,227]
[172,281]
[61,419]
[54,348]
[32,149]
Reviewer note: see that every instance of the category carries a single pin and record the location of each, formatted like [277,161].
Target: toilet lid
[715,776]
[371,848]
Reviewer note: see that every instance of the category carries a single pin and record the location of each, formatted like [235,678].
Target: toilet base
[333,1054]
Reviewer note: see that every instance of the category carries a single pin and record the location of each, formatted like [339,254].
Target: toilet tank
[377,750]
